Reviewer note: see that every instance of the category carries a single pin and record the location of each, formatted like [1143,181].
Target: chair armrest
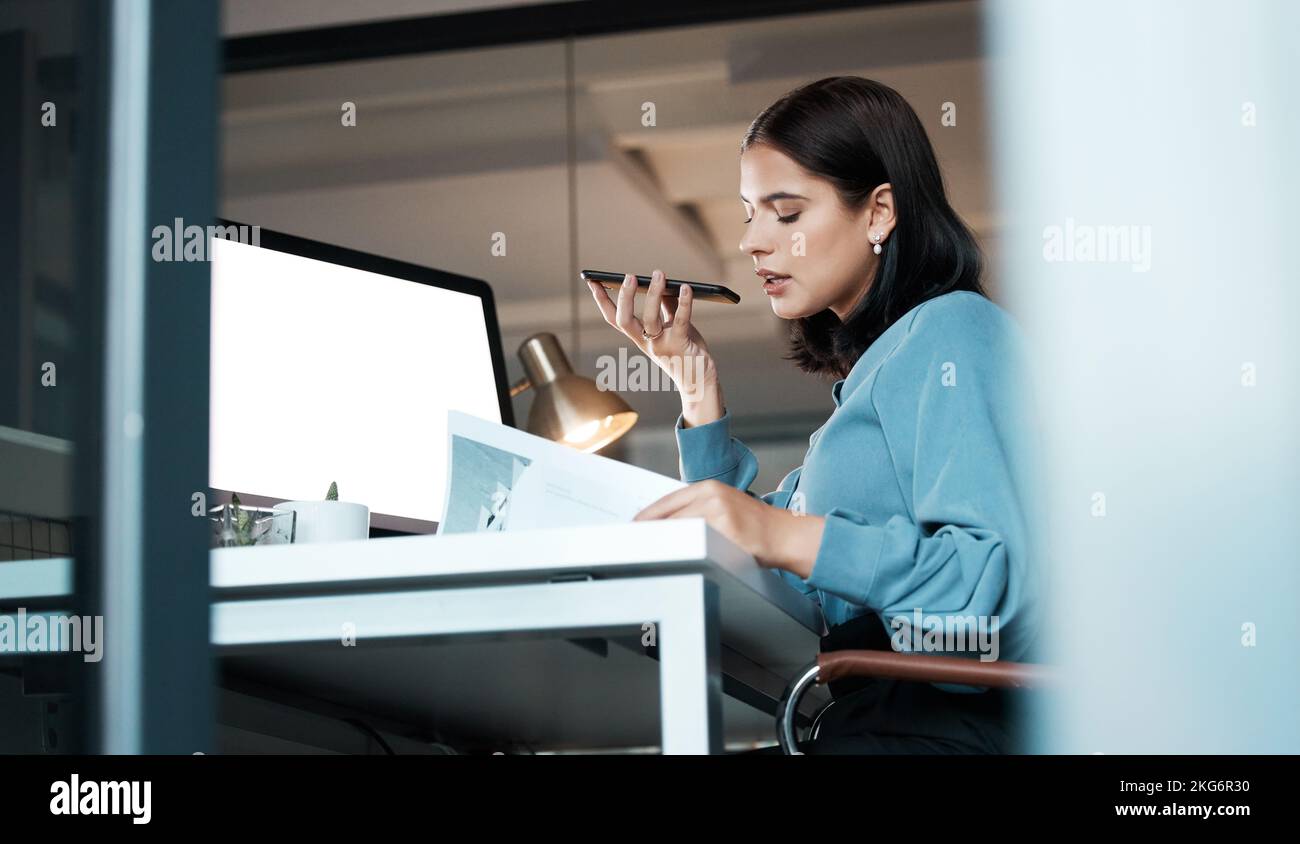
[923,668]
[927,668]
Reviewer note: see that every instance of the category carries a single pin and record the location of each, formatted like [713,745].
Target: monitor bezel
[277,241]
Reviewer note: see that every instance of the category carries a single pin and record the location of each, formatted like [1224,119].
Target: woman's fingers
[624,317]
[607,309]
[669,504]
[651,319]
[681,324]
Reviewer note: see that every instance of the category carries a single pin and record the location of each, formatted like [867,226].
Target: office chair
[922,668]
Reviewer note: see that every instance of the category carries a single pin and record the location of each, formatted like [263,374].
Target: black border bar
[495,27]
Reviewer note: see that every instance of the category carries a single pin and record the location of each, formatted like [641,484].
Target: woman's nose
[754,244]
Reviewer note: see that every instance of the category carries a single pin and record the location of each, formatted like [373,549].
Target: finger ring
[650,337]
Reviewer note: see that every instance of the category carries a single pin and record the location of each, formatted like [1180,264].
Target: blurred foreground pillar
[1148,179]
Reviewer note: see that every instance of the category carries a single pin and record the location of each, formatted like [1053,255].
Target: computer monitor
[332,365]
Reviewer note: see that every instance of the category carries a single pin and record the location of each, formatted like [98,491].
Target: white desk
[281,611]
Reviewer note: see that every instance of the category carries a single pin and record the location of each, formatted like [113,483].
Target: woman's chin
[787,307]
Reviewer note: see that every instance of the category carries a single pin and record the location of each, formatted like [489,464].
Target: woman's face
[799,228]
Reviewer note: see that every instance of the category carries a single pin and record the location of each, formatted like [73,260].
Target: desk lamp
[568,408]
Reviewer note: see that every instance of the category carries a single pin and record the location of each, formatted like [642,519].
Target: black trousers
[882,716]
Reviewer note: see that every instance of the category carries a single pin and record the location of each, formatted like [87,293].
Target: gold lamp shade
[568,408]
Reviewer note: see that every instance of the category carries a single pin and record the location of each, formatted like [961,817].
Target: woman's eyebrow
[774,196]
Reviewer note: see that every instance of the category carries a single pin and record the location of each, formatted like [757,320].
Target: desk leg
[684,608]
[690,678]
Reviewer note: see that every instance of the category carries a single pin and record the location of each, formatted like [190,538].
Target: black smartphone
[702,291]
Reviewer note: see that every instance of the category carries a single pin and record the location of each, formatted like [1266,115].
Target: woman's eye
[780,219]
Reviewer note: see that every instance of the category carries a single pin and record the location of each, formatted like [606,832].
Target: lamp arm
[519,386]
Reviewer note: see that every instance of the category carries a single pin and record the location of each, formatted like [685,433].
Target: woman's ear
[881,219]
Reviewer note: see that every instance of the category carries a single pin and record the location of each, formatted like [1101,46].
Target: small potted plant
[330,520]
[237,526]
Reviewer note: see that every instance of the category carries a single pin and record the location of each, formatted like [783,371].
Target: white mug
[328,521]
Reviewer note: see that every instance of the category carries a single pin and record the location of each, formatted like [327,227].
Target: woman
[911,500]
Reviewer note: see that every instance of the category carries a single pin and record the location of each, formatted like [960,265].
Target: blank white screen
[325,373]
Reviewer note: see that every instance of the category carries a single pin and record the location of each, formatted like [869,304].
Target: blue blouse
[923,477]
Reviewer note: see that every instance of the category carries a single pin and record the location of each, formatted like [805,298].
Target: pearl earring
[875,238]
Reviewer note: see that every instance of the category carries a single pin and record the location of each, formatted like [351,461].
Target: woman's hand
[776,538]
[665,334]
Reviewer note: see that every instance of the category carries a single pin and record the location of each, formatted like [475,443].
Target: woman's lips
[776,286]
